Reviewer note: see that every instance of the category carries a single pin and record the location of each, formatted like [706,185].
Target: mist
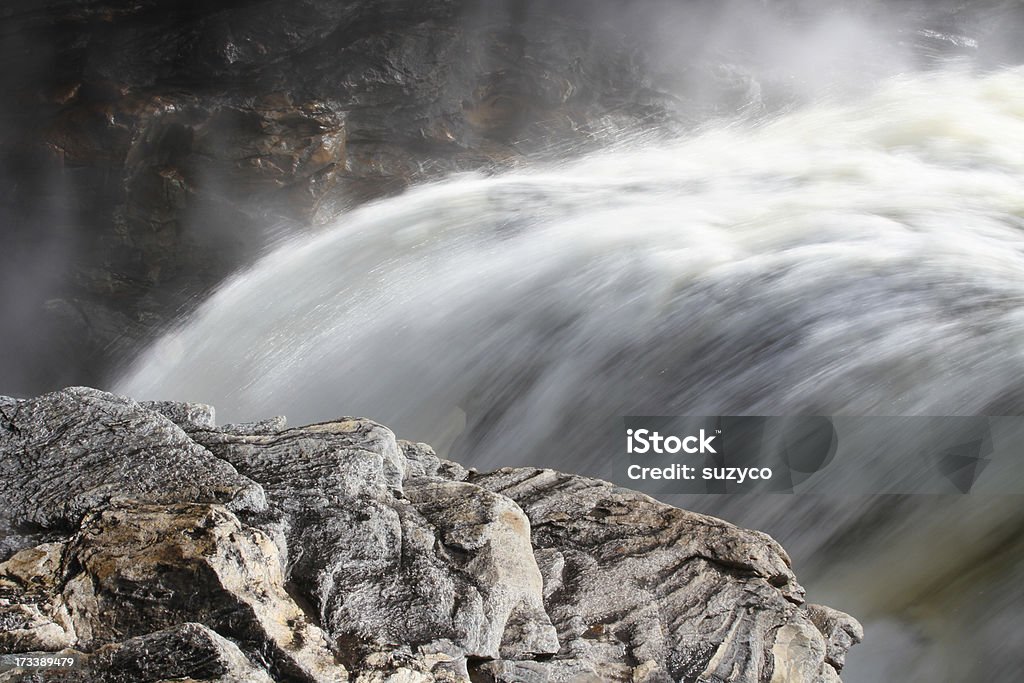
[496,226]
[119,217]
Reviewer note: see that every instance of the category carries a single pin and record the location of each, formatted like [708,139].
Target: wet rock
[372,560]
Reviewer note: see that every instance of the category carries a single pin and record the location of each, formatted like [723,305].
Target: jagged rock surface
[70,452]
[678,595]
[154,545]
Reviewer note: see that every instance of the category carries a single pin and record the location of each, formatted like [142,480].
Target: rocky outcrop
[151,544]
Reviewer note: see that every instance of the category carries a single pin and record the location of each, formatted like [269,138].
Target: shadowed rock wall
[149,148]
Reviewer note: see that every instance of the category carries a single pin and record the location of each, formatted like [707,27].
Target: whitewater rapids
[860,258]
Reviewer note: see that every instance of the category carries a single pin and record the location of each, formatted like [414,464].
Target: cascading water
[859,258]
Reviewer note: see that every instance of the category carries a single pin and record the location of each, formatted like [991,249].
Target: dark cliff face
[149,148]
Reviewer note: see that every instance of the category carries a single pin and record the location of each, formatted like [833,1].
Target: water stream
[858,257]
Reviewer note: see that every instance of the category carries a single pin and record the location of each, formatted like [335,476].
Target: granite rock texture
[154,545]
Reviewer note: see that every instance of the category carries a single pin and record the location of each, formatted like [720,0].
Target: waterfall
[859,258]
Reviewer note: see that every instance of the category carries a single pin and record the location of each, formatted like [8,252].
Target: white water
[862,258]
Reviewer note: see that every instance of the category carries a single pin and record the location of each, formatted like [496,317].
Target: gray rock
[133,569]
[441,566]
[554,671]
[492,536]
[188,416]
[31,617]
[271,425]
[69,452]
[370,559]
[342,458]
[841,632]
[633,582]
[421,461]
[8,404]
[186,652]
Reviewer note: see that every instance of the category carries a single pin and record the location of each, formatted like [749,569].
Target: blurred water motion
[857,259]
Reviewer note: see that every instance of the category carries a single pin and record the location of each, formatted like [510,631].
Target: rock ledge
[156,545]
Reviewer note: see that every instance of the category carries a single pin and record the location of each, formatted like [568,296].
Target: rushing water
[863,258]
